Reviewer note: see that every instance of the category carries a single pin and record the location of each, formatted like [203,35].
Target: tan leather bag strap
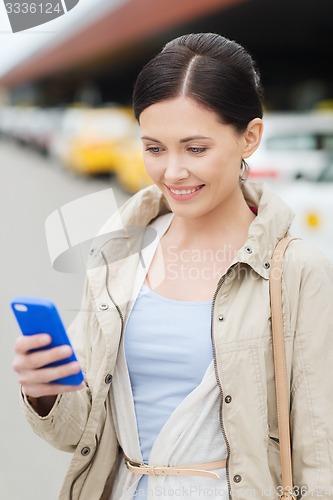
[282,394]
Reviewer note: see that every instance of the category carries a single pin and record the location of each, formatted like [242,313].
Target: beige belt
[183,470]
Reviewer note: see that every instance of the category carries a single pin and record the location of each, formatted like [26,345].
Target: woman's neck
[228,223]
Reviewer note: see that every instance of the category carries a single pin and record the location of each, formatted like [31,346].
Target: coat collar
[272,223]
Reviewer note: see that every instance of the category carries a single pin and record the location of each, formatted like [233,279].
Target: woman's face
[192,157]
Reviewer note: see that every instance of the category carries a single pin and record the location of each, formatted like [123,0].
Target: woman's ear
[252,136]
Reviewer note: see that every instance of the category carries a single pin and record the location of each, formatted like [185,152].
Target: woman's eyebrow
[186,139]
[193,138]
[147,138]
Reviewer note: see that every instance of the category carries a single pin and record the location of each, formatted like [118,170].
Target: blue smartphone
[36,315]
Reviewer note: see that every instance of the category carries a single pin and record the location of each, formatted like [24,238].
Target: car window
[114,126]
[292,143]
[327,142]
[327,173]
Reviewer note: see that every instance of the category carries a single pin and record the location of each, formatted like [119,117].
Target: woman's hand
[34,379]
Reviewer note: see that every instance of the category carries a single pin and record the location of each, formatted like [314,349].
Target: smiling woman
[183,327]
[195,160]
[207,161]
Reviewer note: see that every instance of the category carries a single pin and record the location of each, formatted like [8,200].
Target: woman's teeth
[184,191]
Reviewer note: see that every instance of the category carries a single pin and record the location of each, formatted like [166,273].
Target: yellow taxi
[130,170]
[88,139]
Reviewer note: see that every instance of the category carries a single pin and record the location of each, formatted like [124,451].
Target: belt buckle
[134,464]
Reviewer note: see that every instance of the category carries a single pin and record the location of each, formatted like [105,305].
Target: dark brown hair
[217,72]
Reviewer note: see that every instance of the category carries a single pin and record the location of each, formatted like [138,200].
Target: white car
[293,144]
[312,202]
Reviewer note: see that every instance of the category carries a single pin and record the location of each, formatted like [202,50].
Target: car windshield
[301,142]
[115,126]
[327,142]
[327,173]
[291,142]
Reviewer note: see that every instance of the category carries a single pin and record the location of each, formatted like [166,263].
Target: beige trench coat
[81,422]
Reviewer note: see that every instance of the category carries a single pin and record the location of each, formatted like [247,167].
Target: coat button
[228,399]
[220,318]
[85,451]
[237,478]
[248,249]
[108,378]
[267,265]
[103,307]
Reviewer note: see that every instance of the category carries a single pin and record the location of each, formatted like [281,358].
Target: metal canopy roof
[133,21]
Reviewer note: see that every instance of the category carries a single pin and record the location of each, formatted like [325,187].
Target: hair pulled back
[217,72]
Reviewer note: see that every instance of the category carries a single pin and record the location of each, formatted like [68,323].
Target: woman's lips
[184,193]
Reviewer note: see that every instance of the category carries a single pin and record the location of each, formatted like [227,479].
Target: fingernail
[44,339]
[65,349]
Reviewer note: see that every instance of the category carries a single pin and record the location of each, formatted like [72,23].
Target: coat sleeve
[312,374]
[64,425]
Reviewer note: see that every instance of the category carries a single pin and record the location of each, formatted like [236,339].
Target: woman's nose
[175,170]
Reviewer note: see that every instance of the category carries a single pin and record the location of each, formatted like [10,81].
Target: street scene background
[67,131]
[29,468]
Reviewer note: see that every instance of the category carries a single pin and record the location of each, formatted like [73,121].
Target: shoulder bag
[286,490]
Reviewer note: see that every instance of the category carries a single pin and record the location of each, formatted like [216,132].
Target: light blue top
[168,349]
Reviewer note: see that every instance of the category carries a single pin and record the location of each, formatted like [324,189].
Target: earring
[244,171]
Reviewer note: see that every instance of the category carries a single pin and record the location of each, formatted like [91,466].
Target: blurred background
[67,131]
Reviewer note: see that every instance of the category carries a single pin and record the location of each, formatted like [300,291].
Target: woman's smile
[184,193]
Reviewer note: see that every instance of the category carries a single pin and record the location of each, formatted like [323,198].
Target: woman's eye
[153,149]
[196,150]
